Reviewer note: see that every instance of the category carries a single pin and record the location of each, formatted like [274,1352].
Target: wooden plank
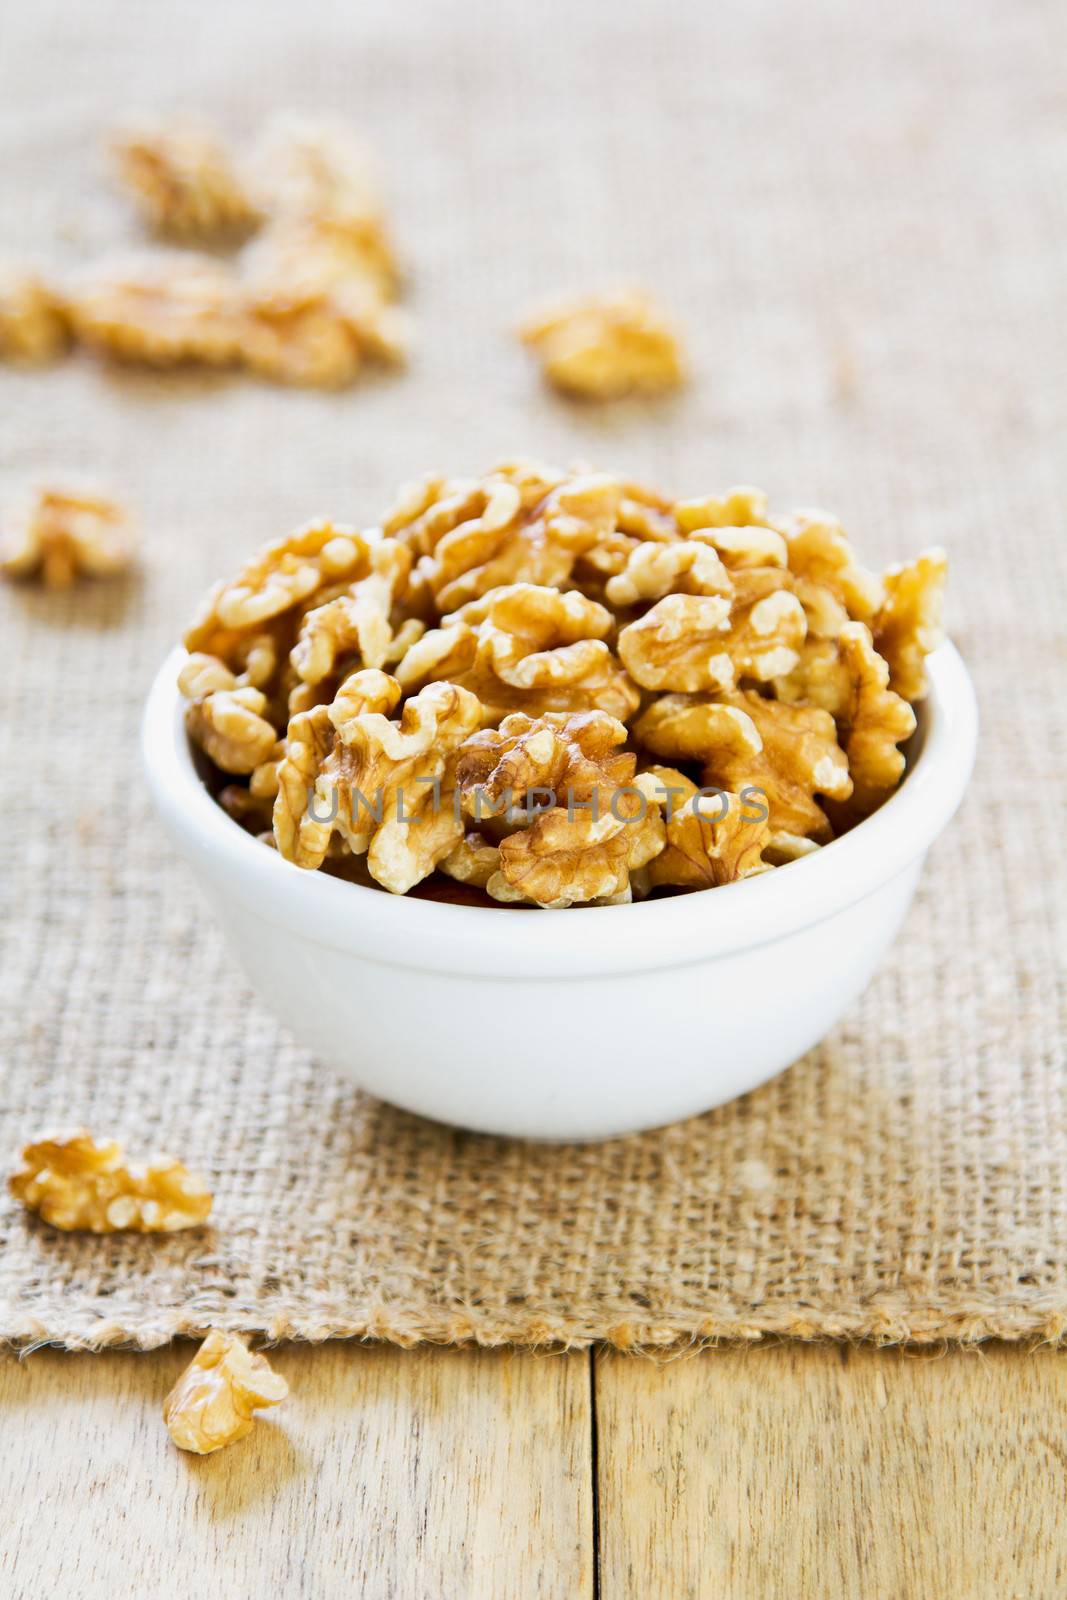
[427,1473]
[830,1472]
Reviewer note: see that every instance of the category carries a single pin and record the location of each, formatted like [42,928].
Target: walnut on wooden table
[215,1400]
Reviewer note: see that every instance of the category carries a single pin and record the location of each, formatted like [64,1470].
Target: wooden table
[783,1470]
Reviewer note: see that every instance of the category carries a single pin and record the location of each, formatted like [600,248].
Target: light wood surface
[835,1473]
[792,1471]
[435,1475]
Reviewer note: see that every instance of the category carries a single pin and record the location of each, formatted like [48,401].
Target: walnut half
[34,327]
[213,1402]
[75,1183]
[607,345]
[59,536]
[184,182]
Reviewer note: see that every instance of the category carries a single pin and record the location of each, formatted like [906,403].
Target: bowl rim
[441,937]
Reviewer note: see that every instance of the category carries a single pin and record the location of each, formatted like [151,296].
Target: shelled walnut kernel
[58,535]
[77,1183]
[485,688]
[214,1401]
[603,346]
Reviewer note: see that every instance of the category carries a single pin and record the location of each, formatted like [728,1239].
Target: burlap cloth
[858,214]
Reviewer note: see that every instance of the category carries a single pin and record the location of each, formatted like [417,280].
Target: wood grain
[827,1472]
[431,1474]
[799,1471]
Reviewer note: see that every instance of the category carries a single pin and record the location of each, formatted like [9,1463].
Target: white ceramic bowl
[574,1024]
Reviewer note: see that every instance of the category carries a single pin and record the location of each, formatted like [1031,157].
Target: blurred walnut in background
[311,301]
[58,535]
[184,182]
[603,346]
[34,320]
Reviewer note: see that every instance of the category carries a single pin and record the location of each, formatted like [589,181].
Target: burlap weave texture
[858,216]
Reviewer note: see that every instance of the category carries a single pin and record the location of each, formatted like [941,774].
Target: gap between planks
[790,1470]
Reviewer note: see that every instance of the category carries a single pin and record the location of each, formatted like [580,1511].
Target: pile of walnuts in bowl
[549,688]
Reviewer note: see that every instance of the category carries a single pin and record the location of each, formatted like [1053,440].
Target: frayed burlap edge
[885,1323]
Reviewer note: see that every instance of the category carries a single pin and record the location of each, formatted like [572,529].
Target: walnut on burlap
[853,211]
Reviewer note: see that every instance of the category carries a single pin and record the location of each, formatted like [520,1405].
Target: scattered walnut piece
[299,332]
[317,296]
[59,535]
[34,325]
[213,1402]
[184,182]
[603,346]
[75,1183]
[310,303]
[327,219]
[163,311]
[907,626]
